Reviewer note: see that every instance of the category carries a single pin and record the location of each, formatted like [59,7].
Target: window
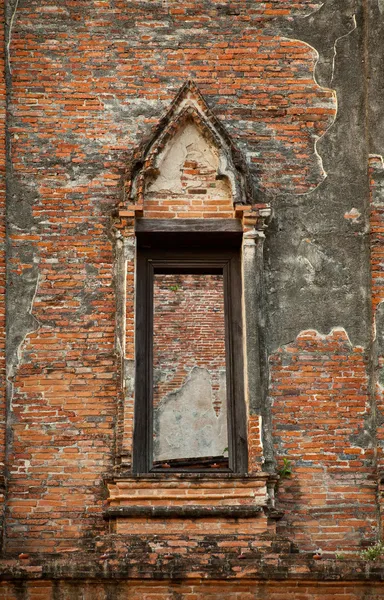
[189,396]
[189,278]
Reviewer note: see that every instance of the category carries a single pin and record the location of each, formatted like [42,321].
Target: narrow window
[189,410]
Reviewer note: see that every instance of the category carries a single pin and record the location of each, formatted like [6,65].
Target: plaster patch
[25,323]
[338,40]
[323,173]
[310,265]
[187,163]
[186,424]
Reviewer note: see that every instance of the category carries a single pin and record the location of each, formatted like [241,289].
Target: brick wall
[189,366]
[376,171]
[65,384]
[321,401]
[189,331]
[195,590]
[90,80]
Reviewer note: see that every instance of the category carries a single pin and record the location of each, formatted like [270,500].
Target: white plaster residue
[380,4]
[319,158]
[378,157]
[261,432]
[323,336]
[8,47]
[314,11]
[309,262]
[308,270]
[310,333]
[20,348]
[131,105]
[374,328]
[53,9]
[353,215]
[337,41]
[189,147]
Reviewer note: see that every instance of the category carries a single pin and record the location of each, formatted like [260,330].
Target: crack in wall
[336,42]
[8,43]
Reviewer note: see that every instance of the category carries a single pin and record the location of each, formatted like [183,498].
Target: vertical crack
[337,41]
[9,37]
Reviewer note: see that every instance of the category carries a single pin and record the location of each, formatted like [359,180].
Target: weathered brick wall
[195,590]
[189,331]
[376,172]
[67,180]
[90,80]
[320,389]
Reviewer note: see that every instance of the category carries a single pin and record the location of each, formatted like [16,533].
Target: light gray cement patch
[317,261]
[375,58]
[185,422]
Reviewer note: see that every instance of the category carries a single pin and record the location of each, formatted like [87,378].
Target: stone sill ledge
[183,512]
[206,476]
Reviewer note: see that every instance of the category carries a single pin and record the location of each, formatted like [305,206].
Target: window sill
[183,512]
[157,502]
[128,476]
[189,489]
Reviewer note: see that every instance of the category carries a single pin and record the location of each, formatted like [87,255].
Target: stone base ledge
[293,568]
[172,503]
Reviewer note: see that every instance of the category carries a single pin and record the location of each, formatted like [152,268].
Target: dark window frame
[227,262]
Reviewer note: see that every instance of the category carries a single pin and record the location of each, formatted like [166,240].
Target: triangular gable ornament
[187,109]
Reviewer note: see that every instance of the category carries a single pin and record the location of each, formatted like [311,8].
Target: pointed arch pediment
[189,159]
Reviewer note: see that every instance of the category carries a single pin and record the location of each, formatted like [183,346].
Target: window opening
[189,407]
[189,371]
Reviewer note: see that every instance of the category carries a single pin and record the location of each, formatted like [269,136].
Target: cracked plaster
[189,146]
[316,259]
